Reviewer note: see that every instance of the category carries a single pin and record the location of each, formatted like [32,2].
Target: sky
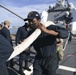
[22,8]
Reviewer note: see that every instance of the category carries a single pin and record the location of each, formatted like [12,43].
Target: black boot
[11,63]
[26,66]
[21,72]
[20,69]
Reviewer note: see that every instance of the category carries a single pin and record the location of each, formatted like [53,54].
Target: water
[13,30]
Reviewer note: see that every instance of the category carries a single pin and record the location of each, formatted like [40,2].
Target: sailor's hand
[42,27]
[26,49]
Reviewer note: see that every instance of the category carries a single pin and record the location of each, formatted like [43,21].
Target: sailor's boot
[20,69]
[26,66]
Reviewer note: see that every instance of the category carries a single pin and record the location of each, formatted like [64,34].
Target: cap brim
[26,19]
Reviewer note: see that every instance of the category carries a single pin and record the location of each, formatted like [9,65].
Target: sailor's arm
[57,31]
[51,32]
[59,41]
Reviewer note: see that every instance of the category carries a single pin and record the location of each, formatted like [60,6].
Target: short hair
[0,25]
[6,22]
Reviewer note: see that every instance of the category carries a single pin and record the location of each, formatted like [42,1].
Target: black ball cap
[32,15]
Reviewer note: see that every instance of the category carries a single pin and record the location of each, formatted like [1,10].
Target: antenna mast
[11,11]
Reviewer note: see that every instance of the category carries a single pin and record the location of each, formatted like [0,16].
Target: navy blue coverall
[22,34]
[45,46]
[5,51]
[6,33]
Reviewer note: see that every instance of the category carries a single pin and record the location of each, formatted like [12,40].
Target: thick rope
[28,41]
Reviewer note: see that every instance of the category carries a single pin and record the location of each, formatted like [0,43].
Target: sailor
[5,32]
[45,45]
[60,53]
[5,51]
[68,19]
[0,27]
[22,34]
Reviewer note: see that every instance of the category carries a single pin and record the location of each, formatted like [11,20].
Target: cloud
[22,11]
[21,3]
